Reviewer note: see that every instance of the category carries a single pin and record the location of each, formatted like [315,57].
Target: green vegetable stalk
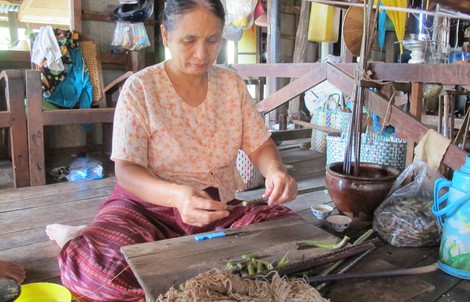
[335,265]
[252,264]
[283,260]
[306,244]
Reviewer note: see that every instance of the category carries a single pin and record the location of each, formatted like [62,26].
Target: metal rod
[443,13]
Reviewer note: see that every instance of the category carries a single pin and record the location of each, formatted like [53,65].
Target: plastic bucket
[44,291]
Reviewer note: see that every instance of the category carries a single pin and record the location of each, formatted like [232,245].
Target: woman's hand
[197,208]
[280,186]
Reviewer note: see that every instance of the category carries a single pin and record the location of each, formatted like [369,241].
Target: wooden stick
[316,127]
[384,273]
[308,264]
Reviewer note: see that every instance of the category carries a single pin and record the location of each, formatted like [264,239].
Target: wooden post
[416,107]
[135,60]
[159,48]
[300,50]
[35,129]
[445,120]
[390,48]
[13,26]
[75,15]
[274,55]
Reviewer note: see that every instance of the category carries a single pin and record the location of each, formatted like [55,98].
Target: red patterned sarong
[92,264]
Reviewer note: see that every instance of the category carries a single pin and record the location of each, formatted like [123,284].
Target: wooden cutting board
[162,264]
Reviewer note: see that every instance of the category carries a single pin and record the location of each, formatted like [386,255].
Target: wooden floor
[25,212]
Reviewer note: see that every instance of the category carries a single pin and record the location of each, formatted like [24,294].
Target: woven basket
[89,52]
[251,177]
[388,151]
[333,119]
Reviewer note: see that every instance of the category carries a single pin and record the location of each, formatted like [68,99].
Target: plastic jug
[452,210]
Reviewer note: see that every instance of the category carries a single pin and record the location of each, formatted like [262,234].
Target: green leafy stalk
[306,244]
[335,265]
[250,268]
[283,260]
[250,256]
[259,266]
[267,264]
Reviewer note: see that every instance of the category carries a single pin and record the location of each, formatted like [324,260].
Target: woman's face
[194,42]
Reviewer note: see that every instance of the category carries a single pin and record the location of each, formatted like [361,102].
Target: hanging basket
[332,119]
[388,151]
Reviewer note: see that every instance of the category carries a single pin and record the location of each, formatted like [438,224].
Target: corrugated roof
[5,8]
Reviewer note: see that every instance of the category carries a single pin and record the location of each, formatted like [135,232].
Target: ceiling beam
[11,2]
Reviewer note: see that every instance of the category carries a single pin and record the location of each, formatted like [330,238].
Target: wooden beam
[14,56]
[280,70]
[291,9]
[401,120]
[286,135]
[446,74]
[31,25]
[340,75]
[77,116]
[302,84]
[11,2]
[106,17]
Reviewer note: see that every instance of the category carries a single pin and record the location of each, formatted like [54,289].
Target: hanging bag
[405,217]
[331,114]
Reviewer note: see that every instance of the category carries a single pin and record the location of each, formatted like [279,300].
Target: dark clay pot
[358,196]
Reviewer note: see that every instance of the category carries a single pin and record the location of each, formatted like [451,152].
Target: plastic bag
[240,13]
[85,168]
[405,218]
[130,36]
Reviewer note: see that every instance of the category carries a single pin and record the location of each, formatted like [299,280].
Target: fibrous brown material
[222,285]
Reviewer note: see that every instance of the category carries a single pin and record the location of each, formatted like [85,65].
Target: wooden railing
[309,75]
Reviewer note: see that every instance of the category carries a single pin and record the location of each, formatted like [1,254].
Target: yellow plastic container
[323,25]
[44,291]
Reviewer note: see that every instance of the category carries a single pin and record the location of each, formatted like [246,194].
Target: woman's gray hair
[175,9]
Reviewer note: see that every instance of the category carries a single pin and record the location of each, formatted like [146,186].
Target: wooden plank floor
[25,212]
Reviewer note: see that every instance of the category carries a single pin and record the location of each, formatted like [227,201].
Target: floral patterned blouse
[184,144]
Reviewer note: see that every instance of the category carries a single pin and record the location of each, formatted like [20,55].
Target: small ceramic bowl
[339,222]
[321,211]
